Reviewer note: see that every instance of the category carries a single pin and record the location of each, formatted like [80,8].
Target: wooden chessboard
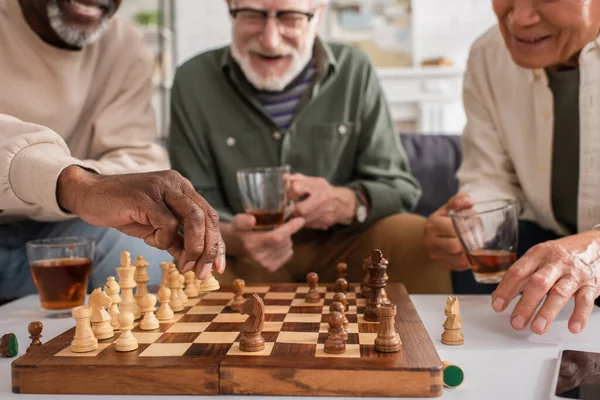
[198,353]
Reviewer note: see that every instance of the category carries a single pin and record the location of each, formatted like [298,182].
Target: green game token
[9,346]
[453,376]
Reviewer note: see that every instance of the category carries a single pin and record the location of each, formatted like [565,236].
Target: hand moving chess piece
[100,318]
[164,313]
[126,341]
[84,340]
[335,343]
[388,340]
[149,322]
[191,289]
[339,307]
[341,285]
[341,298]
[238,288]
[342,269]
[252,339]
[313,295]
[173,284]
[35,333]
[452,334]
[377,270]
[112,289]
[9,346]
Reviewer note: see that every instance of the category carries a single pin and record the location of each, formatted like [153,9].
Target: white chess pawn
[173,284]
[112,289]
[209,284]
[182,295]
[191,289]
[126,341]
[164,313]
[198,283]
[84,340]
[147,304]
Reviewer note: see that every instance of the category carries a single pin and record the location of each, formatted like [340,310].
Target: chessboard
[197,353]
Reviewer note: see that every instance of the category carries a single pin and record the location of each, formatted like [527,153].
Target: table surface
[498,362]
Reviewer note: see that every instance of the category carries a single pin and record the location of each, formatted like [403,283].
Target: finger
[278,259]
[541,283]
[297,189]
[442,226]
[139,231]
[290,227]
[244,222]
[450,246]
[516,277]
[461,201]
[221,259]
[584,305]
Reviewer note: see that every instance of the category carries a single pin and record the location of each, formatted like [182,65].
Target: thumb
[461,201]
[292,226]
[244,222]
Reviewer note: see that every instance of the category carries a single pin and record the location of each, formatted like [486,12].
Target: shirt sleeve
[382,170]
[487,171]
[190,153]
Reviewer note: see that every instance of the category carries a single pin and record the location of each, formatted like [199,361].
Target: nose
[271,38]
[523,14]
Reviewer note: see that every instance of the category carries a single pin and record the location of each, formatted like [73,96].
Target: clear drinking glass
[264,194]
[61,268]
[488,233]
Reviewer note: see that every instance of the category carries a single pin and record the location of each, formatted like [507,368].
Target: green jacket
[342,132]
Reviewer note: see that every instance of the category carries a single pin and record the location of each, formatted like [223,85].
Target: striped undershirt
[281,106]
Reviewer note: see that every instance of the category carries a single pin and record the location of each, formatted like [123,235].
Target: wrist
[72,181]
[346,205]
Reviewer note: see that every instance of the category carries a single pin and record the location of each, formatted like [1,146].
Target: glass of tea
[61,268]
[264,194]
[488,233]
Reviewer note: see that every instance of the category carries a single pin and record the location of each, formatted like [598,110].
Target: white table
[499,363]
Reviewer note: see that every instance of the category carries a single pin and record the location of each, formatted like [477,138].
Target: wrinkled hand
[271,249]
[150,206]
[321,204]
[441,241]
[555,270]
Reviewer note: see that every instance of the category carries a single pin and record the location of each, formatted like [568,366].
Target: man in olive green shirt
[281,96]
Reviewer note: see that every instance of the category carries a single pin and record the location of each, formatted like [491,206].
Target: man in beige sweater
[73,67]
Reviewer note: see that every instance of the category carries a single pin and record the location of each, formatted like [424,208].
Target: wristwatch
[362,206]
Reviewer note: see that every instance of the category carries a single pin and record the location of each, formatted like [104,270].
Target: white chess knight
[147,303]
[100,318]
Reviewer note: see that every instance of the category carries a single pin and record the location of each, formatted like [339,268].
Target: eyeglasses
[290,22]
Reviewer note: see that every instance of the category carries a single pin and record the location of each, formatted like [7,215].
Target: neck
[37,18]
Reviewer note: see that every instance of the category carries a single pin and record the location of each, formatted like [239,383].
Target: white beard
[73,36]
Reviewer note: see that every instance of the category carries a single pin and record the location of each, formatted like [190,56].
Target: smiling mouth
[532,40]
[92,10]
[270,57]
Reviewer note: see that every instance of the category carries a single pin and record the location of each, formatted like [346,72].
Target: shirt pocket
[328,150]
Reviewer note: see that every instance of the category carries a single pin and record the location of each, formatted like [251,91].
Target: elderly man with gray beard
[70,66]
[279,95]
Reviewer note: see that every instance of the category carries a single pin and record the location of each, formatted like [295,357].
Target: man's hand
[555,270]
[151,206]
[441,240]
[321,205]
[270,249]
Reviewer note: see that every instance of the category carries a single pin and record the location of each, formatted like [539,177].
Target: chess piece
[149,322]
[252,339]
[341,285]
[313,295]
[141,278]
[377,270]
[452,334]
[112,289]
[164,313]
[364,285]
[100,319]
[126,282]
[453,375]
[126,341]
[339,307]
[35,333]
[164,267]
[198,283]
[238,288]
[388,340]
[335,343]
[342,269]
[384,296]
[173,284]
[209,283]
[9,346]
[84,340]
[191,289]
[182,295]
[341,298]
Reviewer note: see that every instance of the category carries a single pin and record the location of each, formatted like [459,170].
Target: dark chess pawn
[35,332]
[335,343]
[313,295]
[341,298]
[238,288]
[9,346]
[341,285]
[342,270]
[339,307]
